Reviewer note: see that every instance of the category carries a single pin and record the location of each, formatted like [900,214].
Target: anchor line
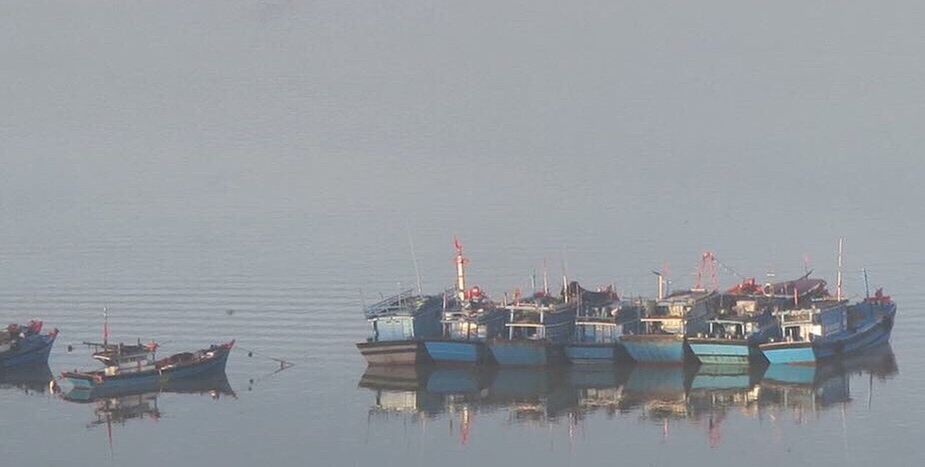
[283,364]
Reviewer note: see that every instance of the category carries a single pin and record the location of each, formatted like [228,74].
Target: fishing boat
[25,345]
[830,328]
[538,327]
[666,325]
[137,365]
[397,327]
[469,319]
[602,318]
[745,319]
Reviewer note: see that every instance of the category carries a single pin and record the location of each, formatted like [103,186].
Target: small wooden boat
[137,365]
[25,345]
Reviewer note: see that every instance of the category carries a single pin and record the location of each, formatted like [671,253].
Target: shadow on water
[120,405]
[31,380]
[649,394]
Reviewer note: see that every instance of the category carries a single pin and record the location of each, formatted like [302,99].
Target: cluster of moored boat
[791,322]
[124,366]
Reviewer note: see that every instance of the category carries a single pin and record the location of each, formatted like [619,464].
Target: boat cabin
[682,312]
[806,324]
[402,317]
[541,317]
[121,358]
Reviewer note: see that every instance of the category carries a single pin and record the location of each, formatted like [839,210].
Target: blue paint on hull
[715,353]
[655,349]
[802,353]
[33,350]
[784,355]
[591,353]
[153,377]
[447,351]
[526,353]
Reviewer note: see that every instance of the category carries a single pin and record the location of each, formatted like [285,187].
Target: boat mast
[105,326]
[460,270]
[838,281]
[661,285]
[414,259]
[545,278]
[866,284]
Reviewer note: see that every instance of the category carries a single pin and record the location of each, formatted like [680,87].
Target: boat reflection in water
[31,380]
[119,406]
[703,396]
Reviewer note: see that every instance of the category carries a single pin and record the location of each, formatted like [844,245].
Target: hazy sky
[762,129]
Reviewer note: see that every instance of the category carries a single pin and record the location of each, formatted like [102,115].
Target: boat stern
[710,351]
[789,353]
[655,349]
[407,352]
[455,352]
[591,353]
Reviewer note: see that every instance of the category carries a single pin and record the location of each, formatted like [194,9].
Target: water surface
[234,169]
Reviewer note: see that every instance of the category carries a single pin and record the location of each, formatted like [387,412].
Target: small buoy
[70,348]
[251,381]
[250,354]
[229,312]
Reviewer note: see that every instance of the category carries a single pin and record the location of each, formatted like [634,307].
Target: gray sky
[768,128]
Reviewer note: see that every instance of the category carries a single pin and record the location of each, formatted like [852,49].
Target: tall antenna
[414,259]
[105,326]
[460,270]
[545,278]
[838,281]
[661,284]
[866,284]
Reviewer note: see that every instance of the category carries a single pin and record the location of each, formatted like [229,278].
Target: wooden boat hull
[660,349]
[208,366]
[404,352]
[809,353]
[32,351]
[213,382]
[593,353]
[711,351]
[526,353]
[450,352]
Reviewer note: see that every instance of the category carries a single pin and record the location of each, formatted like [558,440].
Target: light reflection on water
[649,394]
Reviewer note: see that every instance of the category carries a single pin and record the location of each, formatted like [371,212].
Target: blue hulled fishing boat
[25,345]
[397,327]
[127,366]
[602,318]
[538,328]
[745,319]
[667,323]
[831,328]
[470,318]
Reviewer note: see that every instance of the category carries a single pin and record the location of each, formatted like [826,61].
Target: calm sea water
[255,170]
